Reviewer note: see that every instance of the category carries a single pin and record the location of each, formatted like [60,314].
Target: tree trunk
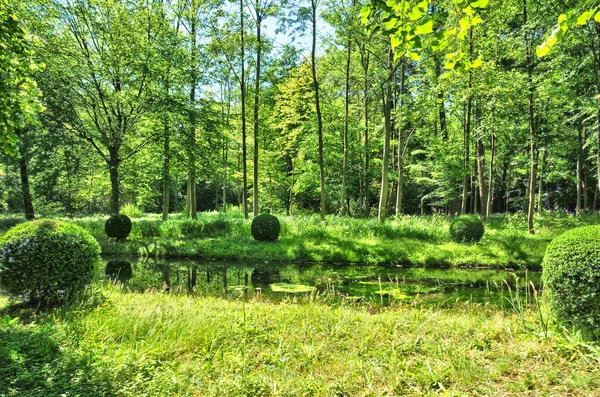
[346,122]
[401,143]
[256,105]
[532,143]
[367,184]
[113,170]
[243,99]
[314,4]
[25,188]
[192,209]
[166,164]
[578,171]
[467,131]
[541,181]
[441,102]
[387,113]
[483,191]
[490,196]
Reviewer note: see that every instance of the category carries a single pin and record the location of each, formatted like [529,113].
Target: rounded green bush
[265,227]
[466,229]
[571,274]
[47,260]
[118,226]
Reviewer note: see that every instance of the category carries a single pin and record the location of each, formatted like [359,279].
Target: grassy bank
[410,240]
[153,344]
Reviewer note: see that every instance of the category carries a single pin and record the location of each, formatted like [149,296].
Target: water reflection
[358,283]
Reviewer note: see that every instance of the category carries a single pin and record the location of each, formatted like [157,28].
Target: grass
[410,240]
[117,343]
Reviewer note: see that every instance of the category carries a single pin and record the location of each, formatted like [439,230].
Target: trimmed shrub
[265,227]
[47,260]
[571,274]
[466,229]
[118,226]
[149,228]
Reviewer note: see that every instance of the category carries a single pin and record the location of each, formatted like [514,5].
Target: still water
[379,284]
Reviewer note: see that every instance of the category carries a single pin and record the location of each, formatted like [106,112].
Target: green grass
[115,343]
[410,240]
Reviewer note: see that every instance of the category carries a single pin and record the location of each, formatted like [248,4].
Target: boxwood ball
[118,226]
[265,227]
[47,260]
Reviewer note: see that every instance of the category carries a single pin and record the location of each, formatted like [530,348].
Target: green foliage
[192,229]
[9,222]
[47,260]
[118,270]
[19,93]
[216,228]
[571,272]
[132,211]
[265,227]
[466,229]
[148,228]
[118,226]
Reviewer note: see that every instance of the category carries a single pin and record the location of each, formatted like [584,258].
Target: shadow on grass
[33,364]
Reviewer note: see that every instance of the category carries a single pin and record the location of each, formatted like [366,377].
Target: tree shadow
[32,363]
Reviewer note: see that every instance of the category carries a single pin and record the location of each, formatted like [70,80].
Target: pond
[357,283]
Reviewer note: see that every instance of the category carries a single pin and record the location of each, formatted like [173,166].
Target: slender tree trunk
[256,106]
[401,143]
[532,138]
[346,122]
[490,194]
[166,161]
[579,171]
[243,99]
[387,112]
[113,170]
[314,4]
[483,190]
[367,184]
[441,102]
[25,188]
[467,132]
[541,182]
[191,187]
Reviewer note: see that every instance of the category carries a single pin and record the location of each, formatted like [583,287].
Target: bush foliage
[118,226]
[47,260]
[466,229]
[571,273]
[265,227]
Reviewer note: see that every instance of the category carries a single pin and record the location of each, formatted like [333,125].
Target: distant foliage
[7,223]
[132,211]
[466,229]
[118,226]
[216,228]
[571,273]
[265,227]
[149,228]
[47,260]
[191,229]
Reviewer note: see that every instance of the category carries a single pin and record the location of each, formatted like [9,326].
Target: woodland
[330,107]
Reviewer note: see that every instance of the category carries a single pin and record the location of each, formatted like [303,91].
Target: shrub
[191,229]
[466,229]
[217,228]
[265,227]
[149,228]
[118,226]
[571,274]
[47,260]
[132,211]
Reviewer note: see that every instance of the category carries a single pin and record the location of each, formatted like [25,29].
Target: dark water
[437,286]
